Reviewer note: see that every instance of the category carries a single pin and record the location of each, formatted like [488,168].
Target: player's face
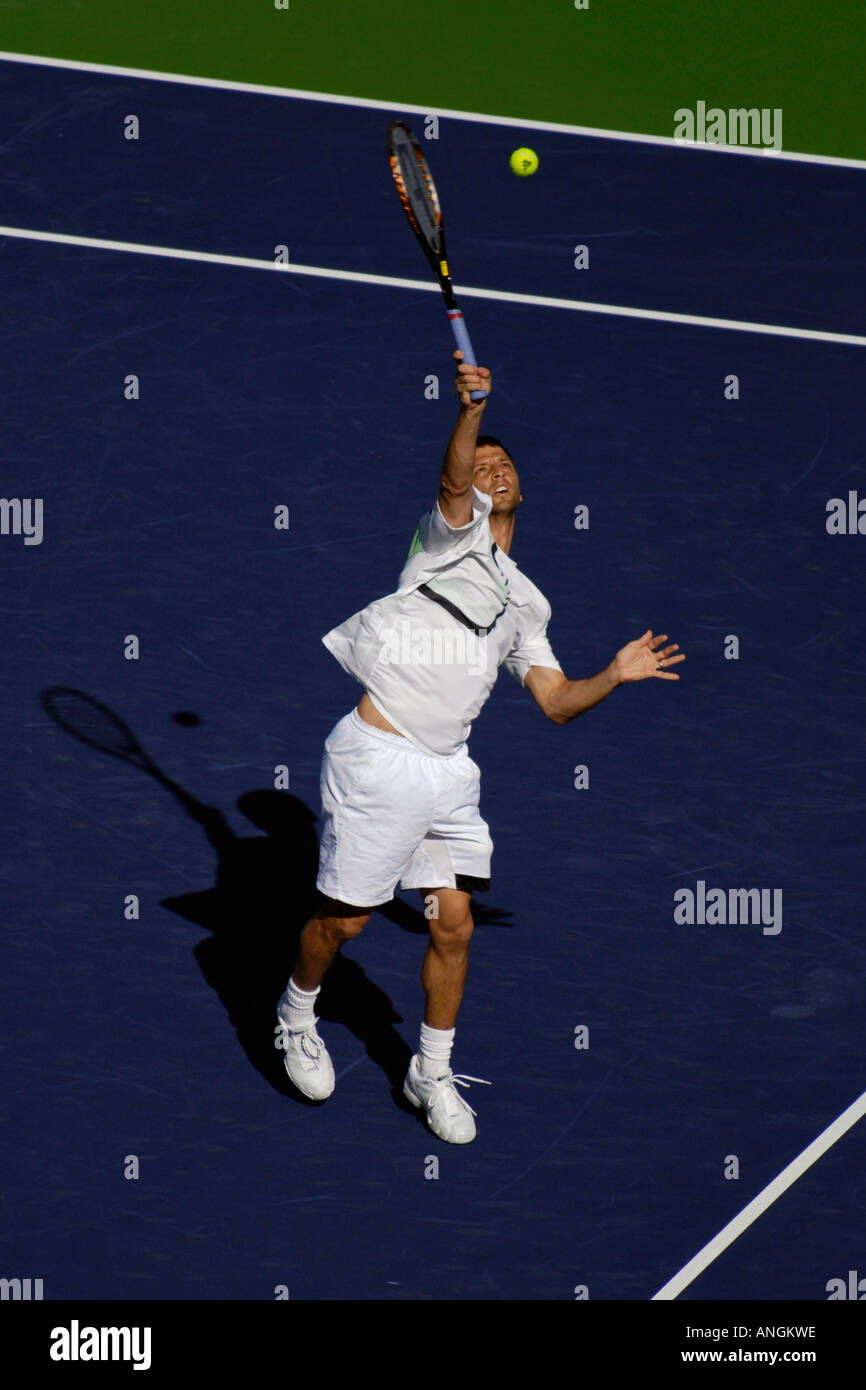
[495,474]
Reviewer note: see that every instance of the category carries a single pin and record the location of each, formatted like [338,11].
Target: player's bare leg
[304,1054]
[322,938]
[430,1081]
[443,974]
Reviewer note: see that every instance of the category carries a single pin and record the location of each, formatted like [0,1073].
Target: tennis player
[400,793]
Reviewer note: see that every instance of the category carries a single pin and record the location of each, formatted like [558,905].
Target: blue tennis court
[597,1168]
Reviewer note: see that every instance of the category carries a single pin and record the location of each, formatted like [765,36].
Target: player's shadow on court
[264,892]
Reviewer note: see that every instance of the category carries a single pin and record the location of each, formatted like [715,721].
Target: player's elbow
[555,715]
[546,689]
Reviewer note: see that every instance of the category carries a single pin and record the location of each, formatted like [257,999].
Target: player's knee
[452,929]
[342,921]
[449,916]
[345,928]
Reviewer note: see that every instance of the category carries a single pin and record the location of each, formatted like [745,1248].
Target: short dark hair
[493,442]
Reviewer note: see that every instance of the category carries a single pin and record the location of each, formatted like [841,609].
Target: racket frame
[436,254]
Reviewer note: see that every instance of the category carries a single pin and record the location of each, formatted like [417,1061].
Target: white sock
[434,1050]
[296,1006]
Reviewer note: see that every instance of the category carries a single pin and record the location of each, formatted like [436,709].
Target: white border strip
[466,291]
[299,94]
[765,1198]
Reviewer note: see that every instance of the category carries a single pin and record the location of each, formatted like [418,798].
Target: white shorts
[393,814]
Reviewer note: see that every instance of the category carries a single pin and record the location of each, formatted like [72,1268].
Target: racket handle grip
[461,335]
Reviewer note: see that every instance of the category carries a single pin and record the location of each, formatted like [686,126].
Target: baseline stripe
[466,291]
[765,1198]
[376,104]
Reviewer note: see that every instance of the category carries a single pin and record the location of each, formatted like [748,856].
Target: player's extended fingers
[664,662]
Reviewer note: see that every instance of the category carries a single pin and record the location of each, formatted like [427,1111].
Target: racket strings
[422,204]
[416,187]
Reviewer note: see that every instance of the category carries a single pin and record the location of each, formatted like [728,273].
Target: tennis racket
[421,205]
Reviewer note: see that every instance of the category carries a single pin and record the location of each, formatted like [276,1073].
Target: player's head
[496,475]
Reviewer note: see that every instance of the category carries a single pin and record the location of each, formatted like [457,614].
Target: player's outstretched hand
[647,657]
[470,379]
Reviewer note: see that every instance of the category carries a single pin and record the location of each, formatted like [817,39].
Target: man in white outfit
[400,793]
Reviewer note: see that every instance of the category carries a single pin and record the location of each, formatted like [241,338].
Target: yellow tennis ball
[524,162]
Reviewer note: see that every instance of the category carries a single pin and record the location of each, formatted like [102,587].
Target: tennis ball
[524,162]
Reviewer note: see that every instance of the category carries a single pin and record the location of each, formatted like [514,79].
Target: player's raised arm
[455,489]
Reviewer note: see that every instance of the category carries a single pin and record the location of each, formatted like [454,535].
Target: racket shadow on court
[263,894]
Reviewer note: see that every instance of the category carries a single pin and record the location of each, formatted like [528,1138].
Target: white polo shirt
[428,655]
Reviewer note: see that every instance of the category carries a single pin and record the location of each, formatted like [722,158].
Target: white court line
[373,103]
[466,291]
[765,1198]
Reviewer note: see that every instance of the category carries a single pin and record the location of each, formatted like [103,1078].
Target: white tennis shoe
[306,1060]
[448,1115]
